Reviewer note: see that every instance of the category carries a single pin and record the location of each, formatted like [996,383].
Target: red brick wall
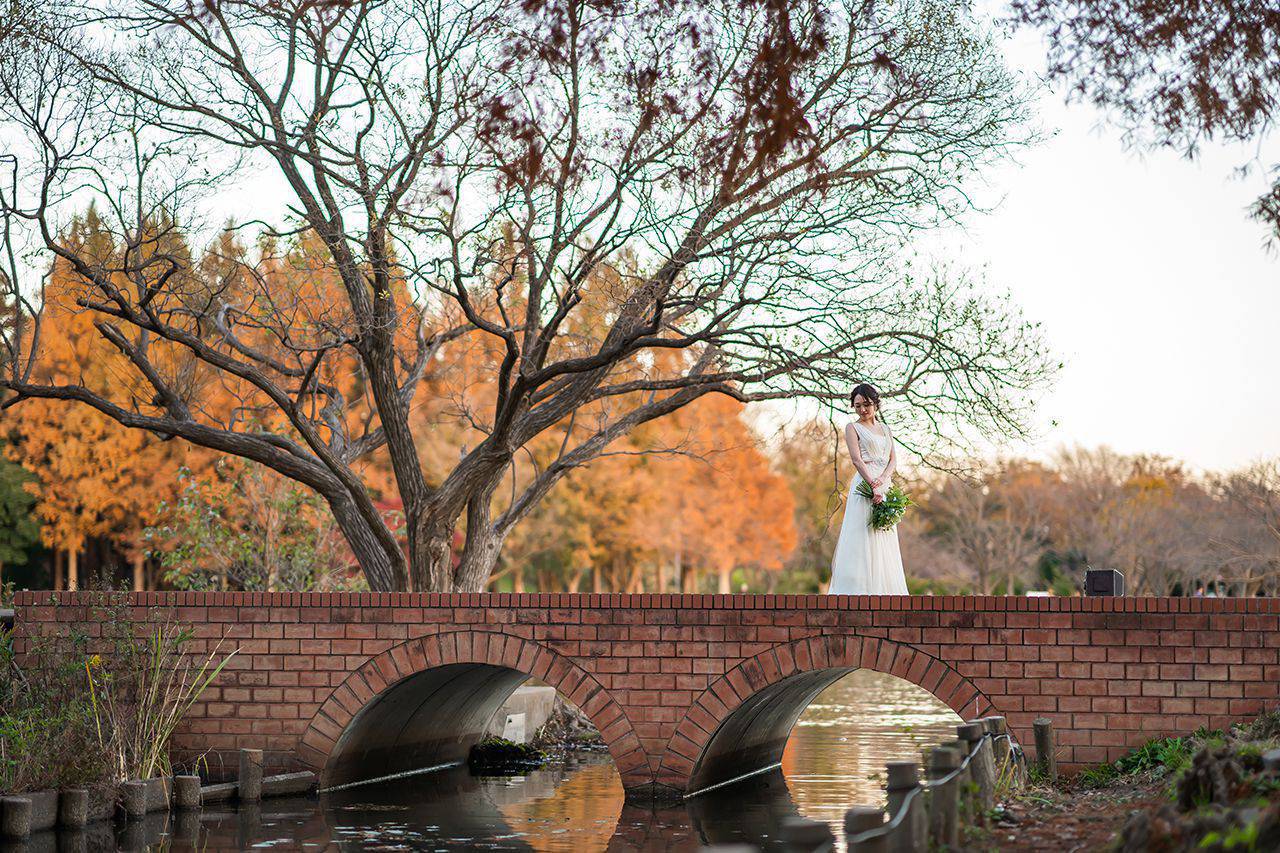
[658,673]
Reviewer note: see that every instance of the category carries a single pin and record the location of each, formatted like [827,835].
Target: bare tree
[994,520]
[745,172]
[1144,515]
[1251,529]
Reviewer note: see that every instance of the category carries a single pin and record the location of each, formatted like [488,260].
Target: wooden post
[860,819]
[997,749]
[965,781]
[802,835]
[997,727]
[249,783]
[902,777]
[944,804]
[1046,759]
[73,570]
[980,765]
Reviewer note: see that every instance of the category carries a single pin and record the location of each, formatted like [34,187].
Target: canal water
[834,759]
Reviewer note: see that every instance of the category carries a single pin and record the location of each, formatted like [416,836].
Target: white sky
[1153,285]
[1151,281]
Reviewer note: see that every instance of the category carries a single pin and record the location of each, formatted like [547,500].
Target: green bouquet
[888,512]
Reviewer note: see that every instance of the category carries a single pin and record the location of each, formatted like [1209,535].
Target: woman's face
[863,407]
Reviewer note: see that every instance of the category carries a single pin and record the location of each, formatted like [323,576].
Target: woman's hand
[877,497]
[877,483]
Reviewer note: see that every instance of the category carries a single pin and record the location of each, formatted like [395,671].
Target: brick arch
[495,649]
[802,664]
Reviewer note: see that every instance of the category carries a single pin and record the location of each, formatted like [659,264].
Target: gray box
[1103,582]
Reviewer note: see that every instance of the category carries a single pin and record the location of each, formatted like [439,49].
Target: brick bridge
[690,690]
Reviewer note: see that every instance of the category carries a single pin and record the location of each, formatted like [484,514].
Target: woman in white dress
[867,561]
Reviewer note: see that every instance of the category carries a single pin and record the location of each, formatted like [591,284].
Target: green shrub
[48,738]
[1166,755]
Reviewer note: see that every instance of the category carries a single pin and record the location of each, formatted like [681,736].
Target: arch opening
[428,719]
[425,702]
[752,738]
[740,725]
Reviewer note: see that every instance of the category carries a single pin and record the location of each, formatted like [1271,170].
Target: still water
[834,759]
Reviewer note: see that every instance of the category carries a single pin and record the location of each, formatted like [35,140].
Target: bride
[867,561]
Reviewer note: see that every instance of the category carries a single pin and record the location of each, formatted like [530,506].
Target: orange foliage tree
[688,497]
[93,477]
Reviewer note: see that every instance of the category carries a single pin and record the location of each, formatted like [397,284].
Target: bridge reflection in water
[835,758]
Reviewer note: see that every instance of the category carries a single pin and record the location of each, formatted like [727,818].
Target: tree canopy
[550,224]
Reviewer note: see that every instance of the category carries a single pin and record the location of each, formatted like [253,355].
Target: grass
[79,710]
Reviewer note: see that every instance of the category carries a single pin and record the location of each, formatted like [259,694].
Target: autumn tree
[91,476]
[750,171]
[717,504]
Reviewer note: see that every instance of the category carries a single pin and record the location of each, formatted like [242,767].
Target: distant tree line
[1013,525]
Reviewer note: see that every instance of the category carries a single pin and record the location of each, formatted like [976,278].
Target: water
[835,759]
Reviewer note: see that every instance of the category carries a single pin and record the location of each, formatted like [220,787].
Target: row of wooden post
[930,817]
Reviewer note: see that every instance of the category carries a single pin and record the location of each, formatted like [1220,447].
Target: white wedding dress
[867,561]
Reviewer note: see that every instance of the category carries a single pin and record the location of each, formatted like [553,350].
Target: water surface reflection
[835,758]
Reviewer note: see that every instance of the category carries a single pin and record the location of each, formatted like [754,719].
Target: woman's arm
[855,451]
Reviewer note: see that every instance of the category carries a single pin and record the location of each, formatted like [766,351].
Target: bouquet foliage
[888,512]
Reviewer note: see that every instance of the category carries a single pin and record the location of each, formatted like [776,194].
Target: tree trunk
[431,557]
[139,578]
[479,558]
[367,546]
[73,570]
[726,579]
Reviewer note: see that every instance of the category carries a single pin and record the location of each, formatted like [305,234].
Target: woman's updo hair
[867,392]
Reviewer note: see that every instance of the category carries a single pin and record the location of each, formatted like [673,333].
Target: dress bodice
[875,448]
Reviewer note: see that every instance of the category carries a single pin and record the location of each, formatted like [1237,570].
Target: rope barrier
[905,809]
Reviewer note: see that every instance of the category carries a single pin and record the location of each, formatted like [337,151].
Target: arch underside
[428,719]
[753,737]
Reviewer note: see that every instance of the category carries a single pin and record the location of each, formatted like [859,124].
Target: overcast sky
[1153,284]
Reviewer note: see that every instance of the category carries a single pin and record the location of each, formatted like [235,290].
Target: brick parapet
[1111,672]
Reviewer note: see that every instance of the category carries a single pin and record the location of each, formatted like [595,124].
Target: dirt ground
[1069,819]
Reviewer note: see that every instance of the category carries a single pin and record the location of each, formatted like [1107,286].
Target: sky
[1154,286]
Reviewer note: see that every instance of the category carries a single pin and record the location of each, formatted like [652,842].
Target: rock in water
[496,757]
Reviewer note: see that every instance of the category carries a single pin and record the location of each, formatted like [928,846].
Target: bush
[72,718]
[48,736]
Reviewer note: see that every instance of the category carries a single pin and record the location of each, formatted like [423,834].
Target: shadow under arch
[425,702]
[739,725]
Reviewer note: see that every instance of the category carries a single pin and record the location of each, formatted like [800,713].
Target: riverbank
[1208,791]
